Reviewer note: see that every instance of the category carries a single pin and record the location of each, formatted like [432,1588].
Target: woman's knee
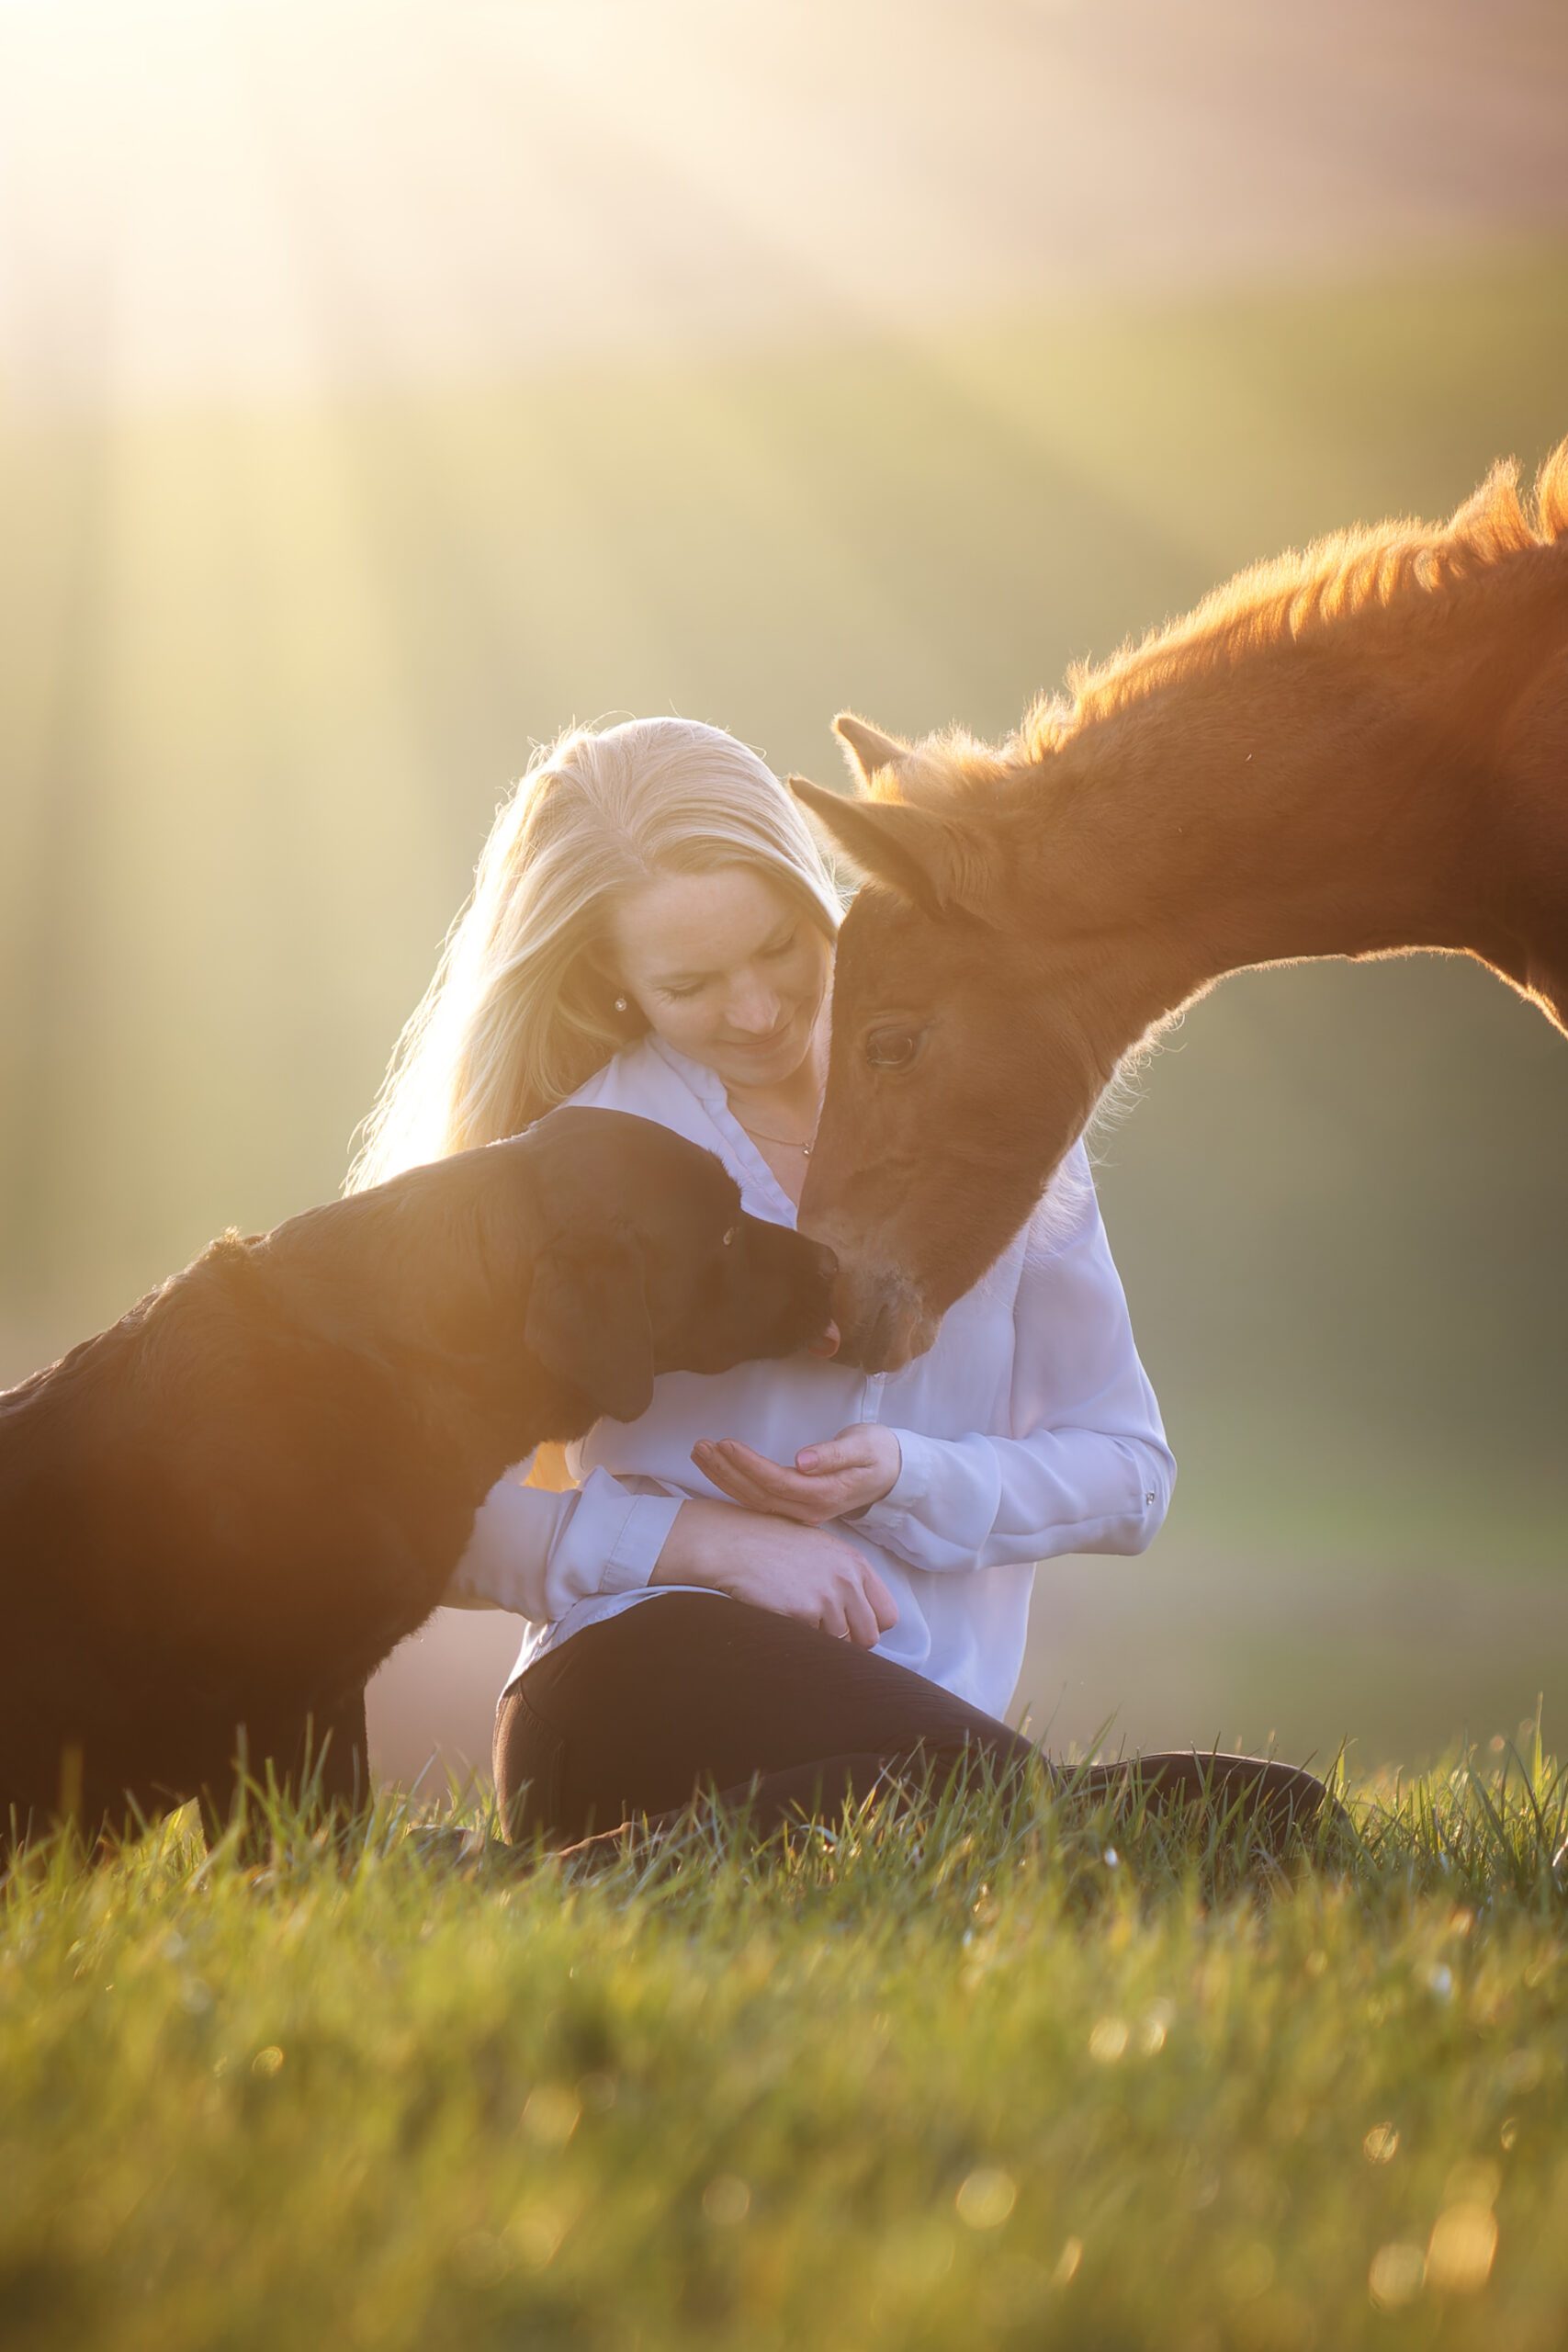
[525,1757]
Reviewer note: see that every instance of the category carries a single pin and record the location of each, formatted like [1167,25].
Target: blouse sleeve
[1088,1468]
[537,1552]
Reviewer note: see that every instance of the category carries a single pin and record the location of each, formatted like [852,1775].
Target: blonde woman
[780,1581]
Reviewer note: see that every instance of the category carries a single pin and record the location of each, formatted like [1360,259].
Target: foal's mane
[1403,574]
[1393,568]
[1400,569]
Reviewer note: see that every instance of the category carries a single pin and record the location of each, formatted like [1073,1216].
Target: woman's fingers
[745,1491]
[862,1465]
[836,1453]
[774,1477]
[751,1478]
[740,1451]
[858,1618]
[724,1473]
[730,1481]
[830,1617]
[884,1608]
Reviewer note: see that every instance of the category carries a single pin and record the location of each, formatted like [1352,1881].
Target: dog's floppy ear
[588,1321]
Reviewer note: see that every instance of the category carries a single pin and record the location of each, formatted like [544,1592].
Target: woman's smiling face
[725,969]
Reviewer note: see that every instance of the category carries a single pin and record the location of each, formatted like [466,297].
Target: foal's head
[960,1071]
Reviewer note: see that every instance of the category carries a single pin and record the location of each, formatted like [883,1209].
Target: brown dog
[227,1509]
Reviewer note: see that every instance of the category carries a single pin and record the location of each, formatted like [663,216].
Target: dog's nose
[827,1345]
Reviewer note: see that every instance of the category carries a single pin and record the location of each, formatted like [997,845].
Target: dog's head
[644,1261]
[601,1245]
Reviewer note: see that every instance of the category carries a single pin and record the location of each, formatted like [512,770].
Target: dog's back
[58,1497]
[208,1516]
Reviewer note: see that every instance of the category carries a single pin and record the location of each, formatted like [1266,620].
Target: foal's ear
[868,749]
[587,1322]
[942,864]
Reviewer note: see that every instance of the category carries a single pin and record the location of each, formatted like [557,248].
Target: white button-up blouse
[1027,1430]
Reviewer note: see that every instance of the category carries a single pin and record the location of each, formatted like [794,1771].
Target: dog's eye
[893,1049]
[732,1236]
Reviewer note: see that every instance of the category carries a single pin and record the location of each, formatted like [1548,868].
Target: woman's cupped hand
[844,1474]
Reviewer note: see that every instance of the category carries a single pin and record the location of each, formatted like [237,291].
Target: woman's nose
[754,1008]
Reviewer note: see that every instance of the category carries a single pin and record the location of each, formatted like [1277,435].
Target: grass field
[1020,2077]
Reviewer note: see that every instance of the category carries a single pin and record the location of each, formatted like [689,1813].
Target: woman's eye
[784,946]
[678,996]
[893,1049]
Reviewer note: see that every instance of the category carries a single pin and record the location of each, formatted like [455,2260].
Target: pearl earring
[620,1004]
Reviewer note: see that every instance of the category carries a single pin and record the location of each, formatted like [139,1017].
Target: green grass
[1020,2077]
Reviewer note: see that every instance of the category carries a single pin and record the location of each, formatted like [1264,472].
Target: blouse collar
[709,1089]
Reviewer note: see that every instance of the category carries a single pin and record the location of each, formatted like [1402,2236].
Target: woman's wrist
[685,1553]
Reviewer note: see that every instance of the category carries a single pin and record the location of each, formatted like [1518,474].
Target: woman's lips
[762,1045]
[827,1345]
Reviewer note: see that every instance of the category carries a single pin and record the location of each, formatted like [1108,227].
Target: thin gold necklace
[785,1143]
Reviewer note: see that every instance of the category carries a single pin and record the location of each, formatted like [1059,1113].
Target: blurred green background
[643,360]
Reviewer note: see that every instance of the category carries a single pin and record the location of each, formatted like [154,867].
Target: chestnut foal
[1360,750]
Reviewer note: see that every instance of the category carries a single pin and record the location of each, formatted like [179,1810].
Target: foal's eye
[732,1236]
[893,1049]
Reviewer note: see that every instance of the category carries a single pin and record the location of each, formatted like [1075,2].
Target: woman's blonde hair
[521,1010]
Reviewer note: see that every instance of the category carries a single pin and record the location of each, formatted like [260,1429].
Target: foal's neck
[1230,820]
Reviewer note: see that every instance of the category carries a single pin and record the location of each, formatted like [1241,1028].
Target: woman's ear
[588,1323]
[606,988]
